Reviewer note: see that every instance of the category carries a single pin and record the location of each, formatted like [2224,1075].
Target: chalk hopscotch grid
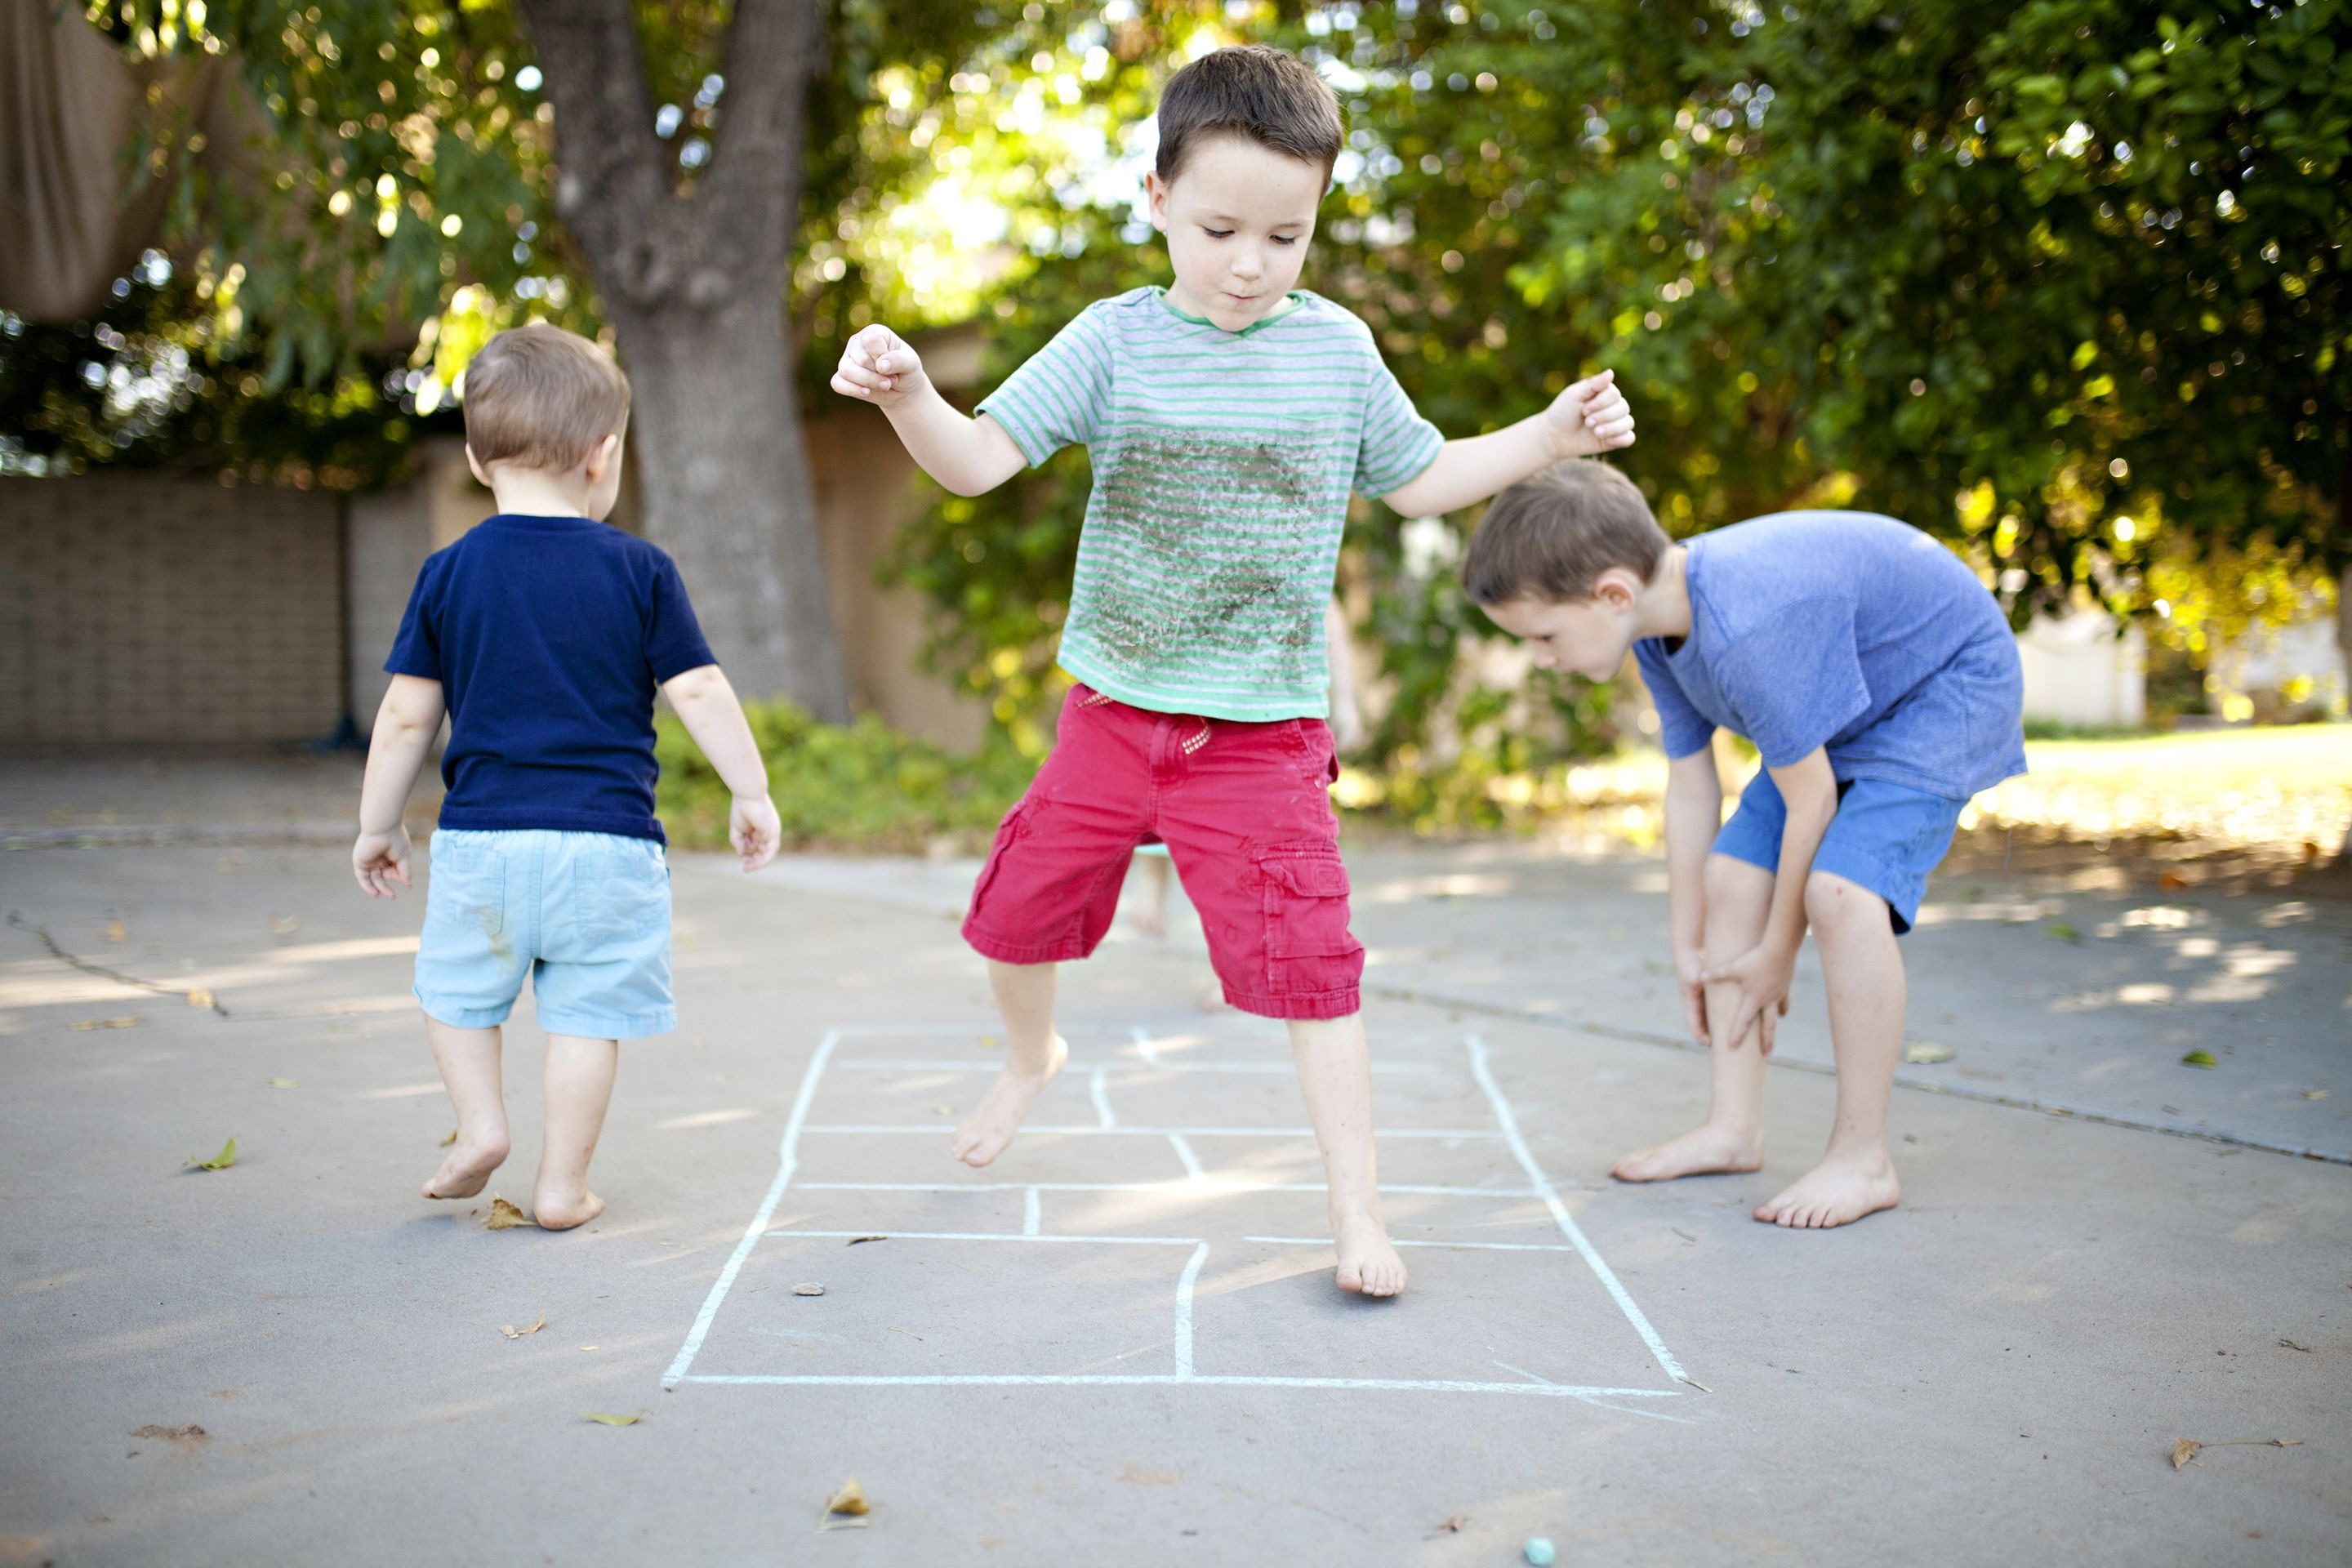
[1539,1188]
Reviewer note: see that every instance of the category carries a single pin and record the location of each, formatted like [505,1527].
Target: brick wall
[168,611]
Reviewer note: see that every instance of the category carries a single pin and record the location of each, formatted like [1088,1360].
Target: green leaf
[283,1083]
[220,1162]
[604,1420]
[2200,1060]
[2060,932]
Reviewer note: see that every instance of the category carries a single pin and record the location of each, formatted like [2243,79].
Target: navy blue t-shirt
[548,636]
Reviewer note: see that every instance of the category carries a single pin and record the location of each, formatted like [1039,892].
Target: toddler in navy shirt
[1881,685]
[542,635]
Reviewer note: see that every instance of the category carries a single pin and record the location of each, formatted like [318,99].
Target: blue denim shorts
[584,915]
[1884,837]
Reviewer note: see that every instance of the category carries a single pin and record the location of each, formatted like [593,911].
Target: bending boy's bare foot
[467,1170]
[1839,1191]
[562,1211]
[1368,1264]
[984,1135]
[1703,1150]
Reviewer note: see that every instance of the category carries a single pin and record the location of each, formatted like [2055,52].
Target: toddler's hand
[1590,416]
[755,830]
[1762,975]
[379,859]
[878,366]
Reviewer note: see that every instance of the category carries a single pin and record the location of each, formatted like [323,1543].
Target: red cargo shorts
[1246,816]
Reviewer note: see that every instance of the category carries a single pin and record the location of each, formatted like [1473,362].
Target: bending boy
[1880,683]
[1228,417]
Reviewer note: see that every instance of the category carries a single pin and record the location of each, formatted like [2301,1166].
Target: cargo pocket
[1307,948]
[466,902]
[1009,833]
[624,892]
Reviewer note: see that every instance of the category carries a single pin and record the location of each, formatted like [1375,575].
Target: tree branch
[775,49]
[610,189]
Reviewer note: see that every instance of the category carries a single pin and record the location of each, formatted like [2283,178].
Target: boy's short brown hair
[1268,95]
[542,398]
[1548,536]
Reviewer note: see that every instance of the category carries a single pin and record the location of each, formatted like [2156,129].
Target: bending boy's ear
[1617,589]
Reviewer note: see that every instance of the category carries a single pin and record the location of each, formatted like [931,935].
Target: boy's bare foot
[467,1170]
[984,1135]
[554,1211]
[1839,1191]
[1703,1150]
[1368,1264]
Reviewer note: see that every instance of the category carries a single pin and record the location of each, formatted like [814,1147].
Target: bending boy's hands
[755,830]
[880,367]
[1763,974]
[379,859]
[1690,979]
[1590,416]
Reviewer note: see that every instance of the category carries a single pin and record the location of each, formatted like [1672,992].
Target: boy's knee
[1724,879]
[1831,902]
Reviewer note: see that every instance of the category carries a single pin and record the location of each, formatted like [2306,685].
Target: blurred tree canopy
[2064,281]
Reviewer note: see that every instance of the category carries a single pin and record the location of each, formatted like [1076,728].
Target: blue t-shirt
[548,636]
[1848,631]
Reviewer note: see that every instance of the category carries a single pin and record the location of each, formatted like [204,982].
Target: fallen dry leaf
[115,931]
[857,1240]
[514,1333]
[200,997]
[2200,1060]
[283,1083]
[846,1508]
[2290,1344]
[128,1021]
[2186,1449]
[2307,1094]
[2172,882]
[1451,1525]
[808,1289]
[190,1433]
[220,1162]
[602,1419]
[504,1216]
[283,925]
[451,1138]
[1696,1384]
[2183,1450]
[1927,1053]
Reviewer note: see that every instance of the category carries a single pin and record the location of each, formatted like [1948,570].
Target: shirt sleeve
[1057,396]
[1398,442]
[416,648]
[1795,680]
[1681,728]
[674,642]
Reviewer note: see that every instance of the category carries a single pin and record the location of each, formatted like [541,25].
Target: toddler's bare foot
[1368,1264]
[1839,1191]
[984,1135]
[1704,1149]
[467,1170]
[562,1211]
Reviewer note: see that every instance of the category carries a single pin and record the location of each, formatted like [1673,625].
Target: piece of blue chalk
[1539,1552]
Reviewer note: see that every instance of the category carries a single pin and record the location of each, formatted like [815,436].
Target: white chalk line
[787,1160]
[992,1235]
[1589,1392]
[1183,1339]
[1125,1069]
[1398,1241]
[1509,1122]
[1099,1091]
[1096,1131]
[1194,1170]
[1033,1212]
[1172,1184]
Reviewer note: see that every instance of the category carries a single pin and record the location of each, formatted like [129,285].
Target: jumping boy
[1879,681]
[543,633]
[1228,417]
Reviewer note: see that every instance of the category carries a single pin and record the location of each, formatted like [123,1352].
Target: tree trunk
[693,284]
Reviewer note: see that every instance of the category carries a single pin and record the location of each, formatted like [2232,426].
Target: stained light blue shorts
[1886,837]
[584,915]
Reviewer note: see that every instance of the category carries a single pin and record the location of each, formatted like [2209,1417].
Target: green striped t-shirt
[1223,462]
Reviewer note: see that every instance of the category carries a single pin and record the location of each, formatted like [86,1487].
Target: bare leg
[1863,970]
[1033,1054]
[579,1086]
[1738,900]
[468,1061]
[1149,914]
[1334,1074]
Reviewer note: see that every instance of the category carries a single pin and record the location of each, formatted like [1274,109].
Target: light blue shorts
[584,915]
[1884,837]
